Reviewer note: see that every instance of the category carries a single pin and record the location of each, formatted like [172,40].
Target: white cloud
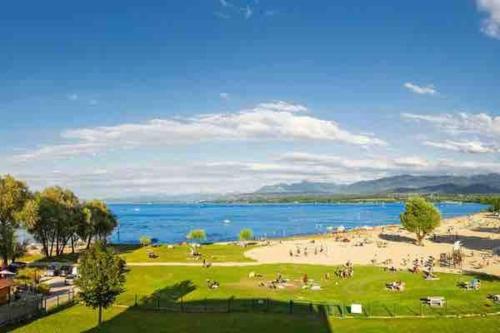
[267,121]
[473,133]
[421,90]
[491,24]
[224,95]
[480,123]
[473,147]
[247,12]
[72,97]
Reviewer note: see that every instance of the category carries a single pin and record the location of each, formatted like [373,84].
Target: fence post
[229,305]
[310,307]
[182,305]
[135,304]
[158,303]
[205,304]
[291,307]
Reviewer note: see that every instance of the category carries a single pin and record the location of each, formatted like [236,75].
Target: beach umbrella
[341,228]
[5,273]
[457,245]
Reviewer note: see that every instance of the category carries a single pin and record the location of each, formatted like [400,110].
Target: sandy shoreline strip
[390,245]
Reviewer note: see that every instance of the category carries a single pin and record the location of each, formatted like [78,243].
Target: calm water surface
[170,223]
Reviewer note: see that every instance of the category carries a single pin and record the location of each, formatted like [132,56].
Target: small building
[5,290]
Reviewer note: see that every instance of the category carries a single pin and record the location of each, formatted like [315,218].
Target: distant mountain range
[404,184]
[477,184]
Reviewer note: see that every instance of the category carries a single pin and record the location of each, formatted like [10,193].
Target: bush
[145,240]
[43,289]
[197,235]
[246,235]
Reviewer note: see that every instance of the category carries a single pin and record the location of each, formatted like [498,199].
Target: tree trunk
[99,321]
[88,241]
[72,245]
[420,237]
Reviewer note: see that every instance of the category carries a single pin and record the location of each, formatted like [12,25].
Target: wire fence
[374,309]
[31,306]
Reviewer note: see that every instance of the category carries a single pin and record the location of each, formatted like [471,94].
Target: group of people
[396,286]
[305,251]
[345,271]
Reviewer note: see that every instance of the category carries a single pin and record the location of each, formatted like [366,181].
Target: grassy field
[177,253]
[81,319]
[366,287]
[181,253]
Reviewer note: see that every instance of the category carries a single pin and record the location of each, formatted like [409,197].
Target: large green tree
[101,277]
[421,217]
[53,217]
[13,195]
[98,223]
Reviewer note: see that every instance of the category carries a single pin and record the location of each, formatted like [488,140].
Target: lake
[169,223]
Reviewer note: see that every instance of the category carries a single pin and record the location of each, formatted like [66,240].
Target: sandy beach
[392,246]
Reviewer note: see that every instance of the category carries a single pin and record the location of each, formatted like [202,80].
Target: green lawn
[441,325]
[366,287]
[81,319]
[181,253]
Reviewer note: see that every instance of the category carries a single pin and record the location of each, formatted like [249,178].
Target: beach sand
[392,246]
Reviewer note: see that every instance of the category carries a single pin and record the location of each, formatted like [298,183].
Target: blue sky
[116,98]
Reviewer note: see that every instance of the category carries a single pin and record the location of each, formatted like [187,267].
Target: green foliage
[43,288]
[246,235]
[98,222]
[53,217]
[145,240]
[13,195]
[101,277]
[494,203]
[197,235]
[29,275]
[420,217]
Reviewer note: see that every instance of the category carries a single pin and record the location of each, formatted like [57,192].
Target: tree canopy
[101,277]
[197,235]
[246,234]
[13,195]
[421,217]
[53,217]
[99,222]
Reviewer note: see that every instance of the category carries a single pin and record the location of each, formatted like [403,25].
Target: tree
[245,235]
[420,217]
[13,195]
[197,235]
[145,240]
[53,217]
[101,277]
[99,222]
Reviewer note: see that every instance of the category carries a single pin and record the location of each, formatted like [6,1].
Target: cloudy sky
[118,98]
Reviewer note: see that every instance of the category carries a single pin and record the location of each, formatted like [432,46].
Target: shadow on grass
[69,258]
[125,248]
[166,311]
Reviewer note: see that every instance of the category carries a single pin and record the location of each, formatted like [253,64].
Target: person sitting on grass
[212,284]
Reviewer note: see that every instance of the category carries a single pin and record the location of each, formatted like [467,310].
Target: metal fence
[31,306]
[337,309]
[28,307]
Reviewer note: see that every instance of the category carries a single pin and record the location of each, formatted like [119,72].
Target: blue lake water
[170,223]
